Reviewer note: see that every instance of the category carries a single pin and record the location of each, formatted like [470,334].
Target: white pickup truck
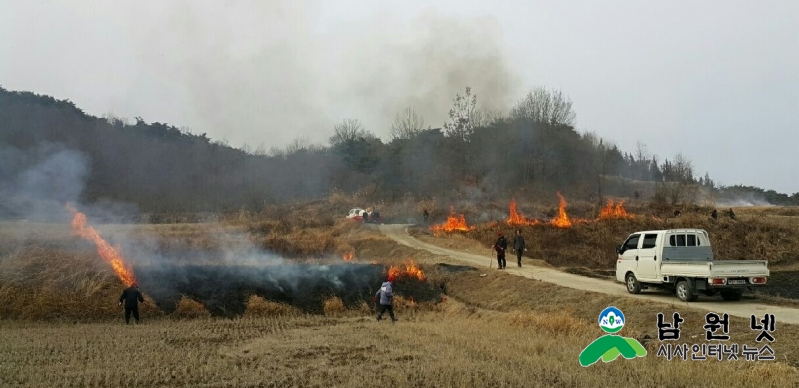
[681,261]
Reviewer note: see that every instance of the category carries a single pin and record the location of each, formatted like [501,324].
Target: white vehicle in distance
[359,214]
[356,213]
[681,261]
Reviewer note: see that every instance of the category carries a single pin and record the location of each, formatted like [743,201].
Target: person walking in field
[386,296]
[131,296]
[501,245]
[426,215]
[518,246]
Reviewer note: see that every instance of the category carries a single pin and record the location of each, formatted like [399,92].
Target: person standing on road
[131,296]
[500,246]
[518,246]
[386,296]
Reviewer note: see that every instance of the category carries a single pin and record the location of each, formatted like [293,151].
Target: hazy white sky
[715,80]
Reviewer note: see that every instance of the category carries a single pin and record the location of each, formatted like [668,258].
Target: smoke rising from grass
[35,184]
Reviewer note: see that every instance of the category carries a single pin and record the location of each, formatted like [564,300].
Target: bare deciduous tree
[683,168]
[544,106]
[485,116]
[407,124]
[461,116]
[260,151]
[349,130]
[641,152]
[298,144]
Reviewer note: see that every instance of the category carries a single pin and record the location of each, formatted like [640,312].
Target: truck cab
[682,260]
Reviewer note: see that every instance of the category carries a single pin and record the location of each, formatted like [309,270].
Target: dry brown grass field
[60,325]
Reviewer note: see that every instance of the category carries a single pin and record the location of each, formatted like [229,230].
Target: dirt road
[399,233]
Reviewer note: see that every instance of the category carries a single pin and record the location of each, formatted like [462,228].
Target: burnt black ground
[224,290]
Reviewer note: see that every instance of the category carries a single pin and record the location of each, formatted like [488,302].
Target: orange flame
[562,220]
[617,211]
[348,256]
[122,268]
[514,218]
[407,271]
[453,223]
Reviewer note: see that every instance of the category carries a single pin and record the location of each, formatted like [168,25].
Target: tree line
[162,168]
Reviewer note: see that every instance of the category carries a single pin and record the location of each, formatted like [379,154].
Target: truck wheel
[633,286]
[685,292]
[731,295]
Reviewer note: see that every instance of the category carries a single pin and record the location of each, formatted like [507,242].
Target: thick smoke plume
[263,71]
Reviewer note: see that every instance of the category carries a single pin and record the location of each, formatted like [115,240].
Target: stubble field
[496,330]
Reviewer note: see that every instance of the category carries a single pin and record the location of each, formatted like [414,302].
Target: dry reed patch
[188,308]
[558,323]
[438,350]
[593,244]
[333,307]
[42,283]
[260,307]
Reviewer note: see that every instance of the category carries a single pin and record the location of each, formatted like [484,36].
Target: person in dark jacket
[518,246]
[500,246]
[386,297]
[714,214]
[131,296]
[426,215]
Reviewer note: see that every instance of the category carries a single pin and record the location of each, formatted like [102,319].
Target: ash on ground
[224,290]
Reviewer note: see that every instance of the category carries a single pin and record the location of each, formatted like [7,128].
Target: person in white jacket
[386,295]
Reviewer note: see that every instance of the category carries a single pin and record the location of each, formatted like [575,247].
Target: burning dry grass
[498,326]
[592,244]
[455,222]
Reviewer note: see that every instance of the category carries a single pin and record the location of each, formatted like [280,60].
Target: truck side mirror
[619,249]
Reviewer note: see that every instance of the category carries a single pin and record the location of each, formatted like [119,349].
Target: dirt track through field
[399,233]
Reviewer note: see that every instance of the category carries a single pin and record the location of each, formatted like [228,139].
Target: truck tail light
[757,280]
[717,281]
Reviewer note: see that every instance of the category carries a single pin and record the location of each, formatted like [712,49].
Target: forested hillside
[161,168]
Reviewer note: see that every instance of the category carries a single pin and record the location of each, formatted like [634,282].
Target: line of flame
[108,253]
[454,222]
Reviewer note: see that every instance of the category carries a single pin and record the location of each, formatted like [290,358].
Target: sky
[715,80]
